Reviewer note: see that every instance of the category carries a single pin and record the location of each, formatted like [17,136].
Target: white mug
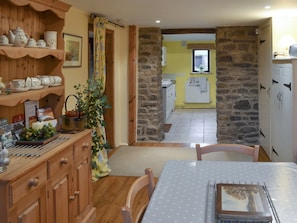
[41,43]
[31,42]
[18,83]
[58,80]
[35,82]
[4,39]
[45,80]
[52,80]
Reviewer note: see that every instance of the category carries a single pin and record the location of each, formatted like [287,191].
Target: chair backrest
[144,181]
[248,150]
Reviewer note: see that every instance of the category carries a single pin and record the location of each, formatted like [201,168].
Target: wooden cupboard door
[264,74]
[275,111]
[285,127]
[83,190]
[60,198]
[31,209]
[31,214]
[282,113]
[82,180]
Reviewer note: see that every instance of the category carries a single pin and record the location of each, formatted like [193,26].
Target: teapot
[18,37]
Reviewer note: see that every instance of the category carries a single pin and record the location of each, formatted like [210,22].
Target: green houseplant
[92,102]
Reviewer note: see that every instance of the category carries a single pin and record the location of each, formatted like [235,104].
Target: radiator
[194,92]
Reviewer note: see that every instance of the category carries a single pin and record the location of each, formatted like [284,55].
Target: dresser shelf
[36,95]
[36,53]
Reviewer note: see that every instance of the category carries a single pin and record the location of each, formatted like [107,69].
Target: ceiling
[176,14]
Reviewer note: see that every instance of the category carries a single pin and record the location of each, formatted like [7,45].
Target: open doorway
[194,117]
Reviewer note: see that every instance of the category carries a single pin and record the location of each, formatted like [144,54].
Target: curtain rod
[93,15]
[116,24]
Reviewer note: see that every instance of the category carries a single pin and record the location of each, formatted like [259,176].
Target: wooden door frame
[132,62]
[109,87]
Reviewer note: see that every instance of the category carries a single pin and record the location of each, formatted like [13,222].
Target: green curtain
[100,165]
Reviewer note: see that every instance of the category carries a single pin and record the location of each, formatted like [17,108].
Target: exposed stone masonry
[237,85]
[150,115]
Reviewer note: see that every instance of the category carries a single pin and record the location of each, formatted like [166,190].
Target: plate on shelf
[36,87]
[55,85]
[5,44]
[22,89]
[40,47]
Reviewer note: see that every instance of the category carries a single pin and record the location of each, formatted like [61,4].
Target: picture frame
[241,202]
[73,50]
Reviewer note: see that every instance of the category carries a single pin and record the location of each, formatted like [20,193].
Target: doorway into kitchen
[192,126]
[194,119]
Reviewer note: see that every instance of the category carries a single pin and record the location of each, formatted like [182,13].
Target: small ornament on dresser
[4,157]
[2,86]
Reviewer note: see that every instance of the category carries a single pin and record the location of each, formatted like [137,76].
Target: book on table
[241,203]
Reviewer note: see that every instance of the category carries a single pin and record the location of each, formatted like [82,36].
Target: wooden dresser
[55,187]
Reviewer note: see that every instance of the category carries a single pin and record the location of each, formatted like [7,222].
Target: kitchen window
[201,61]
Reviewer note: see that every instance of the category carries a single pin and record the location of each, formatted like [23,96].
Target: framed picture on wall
[73,50]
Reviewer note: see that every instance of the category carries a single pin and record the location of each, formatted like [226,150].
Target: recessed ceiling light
[267,7]
[158,21]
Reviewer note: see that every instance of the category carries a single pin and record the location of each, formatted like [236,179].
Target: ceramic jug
[18,37]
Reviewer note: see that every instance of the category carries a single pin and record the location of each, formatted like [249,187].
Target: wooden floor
[110,191]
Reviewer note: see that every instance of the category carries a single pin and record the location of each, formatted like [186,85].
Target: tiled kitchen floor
[192,126]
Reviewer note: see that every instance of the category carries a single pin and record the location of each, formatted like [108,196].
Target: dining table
[185,191]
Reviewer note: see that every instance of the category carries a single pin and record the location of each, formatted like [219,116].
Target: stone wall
[237,85]
[150,115]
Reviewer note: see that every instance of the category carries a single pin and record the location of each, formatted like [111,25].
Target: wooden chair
[248,150]
[144,181]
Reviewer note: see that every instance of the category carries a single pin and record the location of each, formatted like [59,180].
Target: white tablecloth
[182,192]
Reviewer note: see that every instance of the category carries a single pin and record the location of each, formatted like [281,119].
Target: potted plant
[93,102]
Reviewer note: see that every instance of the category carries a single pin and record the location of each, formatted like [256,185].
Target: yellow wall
[76,23]
[179,62]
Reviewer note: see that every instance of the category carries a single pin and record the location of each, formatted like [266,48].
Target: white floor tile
[192,126]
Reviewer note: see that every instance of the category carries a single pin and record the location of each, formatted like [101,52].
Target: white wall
[284,33]
[76,23]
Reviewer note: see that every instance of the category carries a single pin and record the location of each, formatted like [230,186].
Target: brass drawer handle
[33,182]
[76,193]
[71,198]
[64,161]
